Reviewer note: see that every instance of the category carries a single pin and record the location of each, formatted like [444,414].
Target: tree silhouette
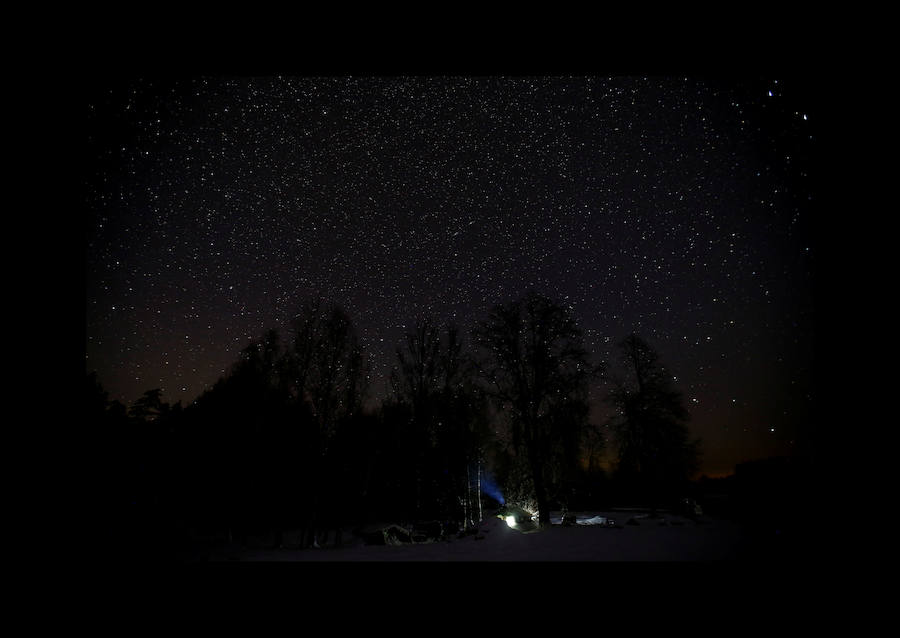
[415,384]
[536,367]
[445,441]
[324,372]
[418,374]
[265,438]
[655,455]
[149,406]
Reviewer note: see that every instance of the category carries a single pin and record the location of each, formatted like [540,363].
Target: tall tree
[432,380]
[325,374]
[418,373]
[415,382]
[324,367]
[537,367]
[655,452]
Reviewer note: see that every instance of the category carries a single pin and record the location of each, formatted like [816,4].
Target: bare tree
[536,365]
[434,379]
[324,372]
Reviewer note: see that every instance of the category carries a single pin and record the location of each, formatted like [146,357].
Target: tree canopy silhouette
[282,442]
[538,369]
[324,371]
[655,453]
[434,382]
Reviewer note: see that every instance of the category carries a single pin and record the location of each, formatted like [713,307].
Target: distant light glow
[511,521]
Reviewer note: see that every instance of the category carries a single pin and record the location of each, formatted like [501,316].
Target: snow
[593,520]
[647,537]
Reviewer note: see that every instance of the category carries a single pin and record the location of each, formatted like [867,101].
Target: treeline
[282,441]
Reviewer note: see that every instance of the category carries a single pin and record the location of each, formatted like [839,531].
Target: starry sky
[678,207]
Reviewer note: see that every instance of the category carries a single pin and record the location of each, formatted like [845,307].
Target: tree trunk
[480,515]
[465,505]
[540,492]
[468,521]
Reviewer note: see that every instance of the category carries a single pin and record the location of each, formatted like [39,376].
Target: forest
[495,415]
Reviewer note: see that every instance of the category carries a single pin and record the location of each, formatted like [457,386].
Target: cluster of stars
[673,207]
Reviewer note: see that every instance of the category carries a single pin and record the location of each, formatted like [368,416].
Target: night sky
[680,208]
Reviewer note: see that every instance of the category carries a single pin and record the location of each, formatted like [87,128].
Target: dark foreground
[634,537]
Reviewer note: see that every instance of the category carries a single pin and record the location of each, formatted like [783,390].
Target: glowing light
[511,521]
[490,487]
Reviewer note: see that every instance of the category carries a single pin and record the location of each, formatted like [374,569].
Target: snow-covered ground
[664,538]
